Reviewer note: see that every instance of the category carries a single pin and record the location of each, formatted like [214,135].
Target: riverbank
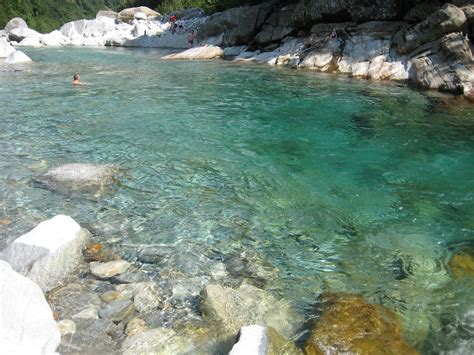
[428,46]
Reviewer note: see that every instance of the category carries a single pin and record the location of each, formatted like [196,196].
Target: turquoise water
[300,181]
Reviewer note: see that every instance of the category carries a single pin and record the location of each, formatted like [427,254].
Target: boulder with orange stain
[349,324]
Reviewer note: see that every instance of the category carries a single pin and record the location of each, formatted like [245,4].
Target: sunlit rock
[5,48]
[55,38]
[48,253]
[109,269]
[20,33]
[350,325]
[31,42]
[129,13]
[26,321]
[17,57]
[259,340]
[160,341]
[134,326]
[117,311]
[199,53]
[16,22]
[66,326]
[249,305]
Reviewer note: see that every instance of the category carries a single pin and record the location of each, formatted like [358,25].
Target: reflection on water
[302,182]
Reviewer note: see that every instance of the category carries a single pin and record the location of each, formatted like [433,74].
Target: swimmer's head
[76,76]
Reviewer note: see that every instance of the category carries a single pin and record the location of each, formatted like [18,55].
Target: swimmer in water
[76,80]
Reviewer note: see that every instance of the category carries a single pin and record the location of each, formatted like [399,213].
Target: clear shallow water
[324,182]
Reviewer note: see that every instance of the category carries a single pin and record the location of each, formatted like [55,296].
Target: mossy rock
[349,324]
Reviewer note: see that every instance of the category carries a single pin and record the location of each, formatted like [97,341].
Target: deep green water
[324,182]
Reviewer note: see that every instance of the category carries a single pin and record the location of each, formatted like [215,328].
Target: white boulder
[17,57]
[20,33]
[5,48]
[139,30]
[30,42]
[203,52]
[26,321]
[55,38]
[48,253]
[16,22]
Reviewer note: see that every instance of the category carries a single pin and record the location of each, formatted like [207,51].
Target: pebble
[88,313]
[109,269]
[66,326]
[112,296]
[136,325]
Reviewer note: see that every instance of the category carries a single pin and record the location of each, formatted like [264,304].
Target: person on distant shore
[174,25]
[76,79]
[191,38]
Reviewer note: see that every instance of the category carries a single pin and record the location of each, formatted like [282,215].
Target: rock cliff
[426,43]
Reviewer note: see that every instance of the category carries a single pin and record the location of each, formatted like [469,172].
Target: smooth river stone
[109,269]
[117,311]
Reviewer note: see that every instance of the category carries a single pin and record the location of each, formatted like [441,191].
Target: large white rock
[17,57]
[26,321]
[16,22]
[140,30]
[87,28]
[203,52]
[55,38]
[20,33]
[5,48]
[30,42]
[48,253]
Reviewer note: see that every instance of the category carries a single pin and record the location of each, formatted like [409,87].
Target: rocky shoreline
[428,45]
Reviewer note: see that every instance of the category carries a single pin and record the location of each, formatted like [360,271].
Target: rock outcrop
[48,253]
[198,53]
[15,22]
[26,321]
[376,40]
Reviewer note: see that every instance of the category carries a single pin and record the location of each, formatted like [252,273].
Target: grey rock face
[48,253]
[447,19]
[77,176]
[239,25]
[26,322]
[15,22]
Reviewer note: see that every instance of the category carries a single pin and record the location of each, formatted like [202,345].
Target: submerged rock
[48,253]
[26,321]
[117,311]
[66,326]
[249,305]
[162,341]
[135,326]
[462,265]
[109,269]
[92,336]
[73,299]
[78,176]
[258,340]
[350,325]
[204,52]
